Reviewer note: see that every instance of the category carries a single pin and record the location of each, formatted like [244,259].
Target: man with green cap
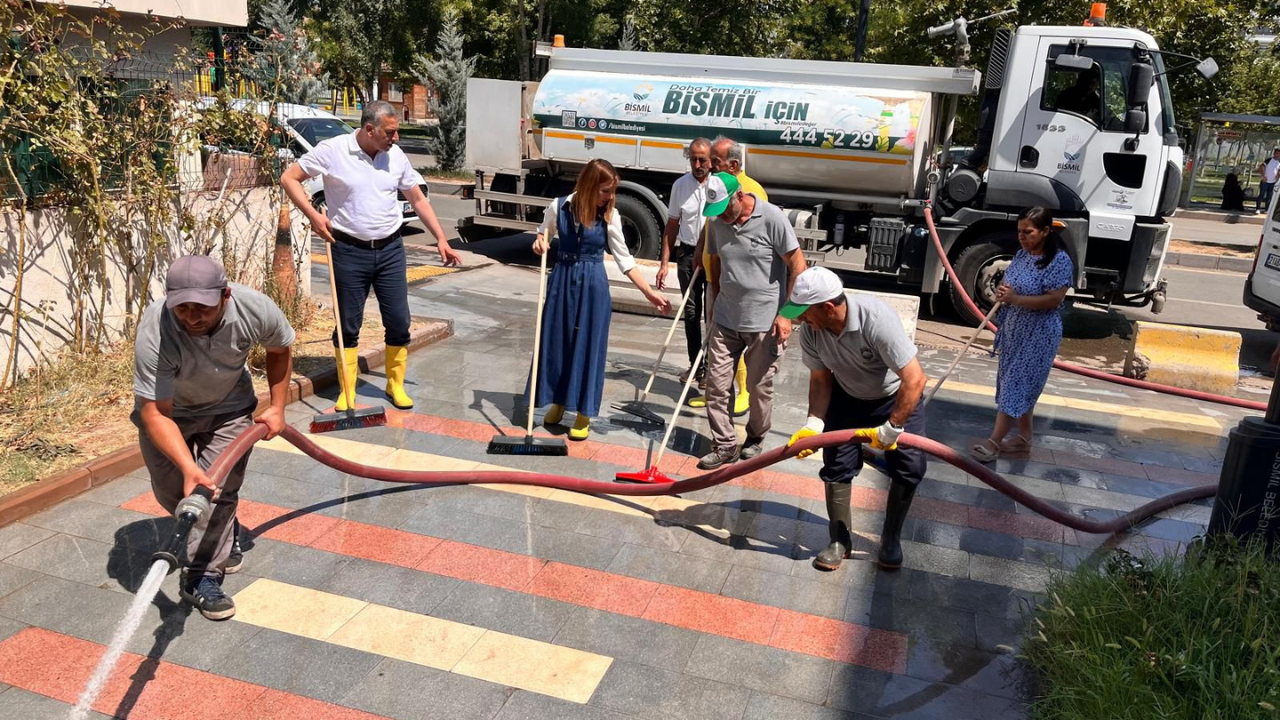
[863,373]
[754,260]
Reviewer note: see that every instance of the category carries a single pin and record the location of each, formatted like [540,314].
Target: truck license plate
[1273,261]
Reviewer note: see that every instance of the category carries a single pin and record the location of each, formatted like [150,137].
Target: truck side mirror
[1075,63]
[1207,68]
[1141,75]
[1135,121]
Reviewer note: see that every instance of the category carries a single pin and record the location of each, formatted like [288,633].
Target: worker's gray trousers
[207,437]
[763,352]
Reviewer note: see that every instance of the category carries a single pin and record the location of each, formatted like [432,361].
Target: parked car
[307,127]
[1262,288]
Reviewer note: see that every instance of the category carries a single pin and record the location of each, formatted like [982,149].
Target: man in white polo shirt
[362,172]
[863,373]
[684,226]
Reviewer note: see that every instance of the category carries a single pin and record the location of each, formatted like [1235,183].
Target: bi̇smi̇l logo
[1072,153]
[640,94]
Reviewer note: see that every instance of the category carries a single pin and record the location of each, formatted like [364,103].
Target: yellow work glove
[811,427]
[884,437]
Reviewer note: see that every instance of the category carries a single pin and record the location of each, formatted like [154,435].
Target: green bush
[1194,637]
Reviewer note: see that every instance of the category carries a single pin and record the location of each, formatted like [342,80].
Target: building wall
[244,245]
[229,13]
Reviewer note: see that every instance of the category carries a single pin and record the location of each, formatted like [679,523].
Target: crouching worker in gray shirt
[193,396]
[863,373]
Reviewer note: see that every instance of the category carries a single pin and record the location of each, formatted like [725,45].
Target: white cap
[815,285]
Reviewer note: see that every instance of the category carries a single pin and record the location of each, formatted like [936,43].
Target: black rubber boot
[840,518]
[895,514]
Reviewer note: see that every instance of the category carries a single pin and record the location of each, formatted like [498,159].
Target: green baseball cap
[721,187]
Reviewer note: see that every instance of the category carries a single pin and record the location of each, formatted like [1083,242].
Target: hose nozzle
[190,510]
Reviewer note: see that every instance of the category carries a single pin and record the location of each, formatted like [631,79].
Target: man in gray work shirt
[754,259]
[864,374]
[193,396]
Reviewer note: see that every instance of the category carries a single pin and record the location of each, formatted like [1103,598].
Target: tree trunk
[11,362]
[522,39]
[282,256]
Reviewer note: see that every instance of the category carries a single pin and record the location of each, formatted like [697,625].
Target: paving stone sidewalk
[363,600]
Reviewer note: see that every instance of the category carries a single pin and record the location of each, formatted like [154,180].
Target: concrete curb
[99,471]
[1230,218]
[1187,357]
[1209,262]
[440,187]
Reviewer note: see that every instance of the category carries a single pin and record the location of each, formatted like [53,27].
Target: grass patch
[65,413]
[1176,638]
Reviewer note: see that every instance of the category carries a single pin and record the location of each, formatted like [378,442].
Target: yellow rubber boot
[743,402]
[349,361]
[554,415]
[397,358]
[581,428]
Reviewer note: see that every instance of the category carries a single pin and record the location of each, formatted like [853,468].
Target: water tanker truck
[1076,119]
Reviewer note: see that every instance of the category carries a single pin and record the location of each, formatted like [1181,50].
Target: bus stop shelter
[1227,142]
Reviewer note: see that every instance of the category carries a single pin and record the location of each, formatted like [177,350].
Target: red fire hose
[1080,369]
[258,431]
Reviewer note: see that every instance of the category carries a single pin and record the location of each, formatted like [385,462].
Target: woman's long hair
[586,191]
[1042,219]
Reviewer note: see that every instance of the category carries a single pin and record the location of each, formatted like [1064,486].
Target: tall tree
[284,65]
[358,40]
[447,74]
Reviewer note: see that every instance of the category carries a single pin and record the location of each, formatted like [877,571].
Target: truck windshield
[1097,94]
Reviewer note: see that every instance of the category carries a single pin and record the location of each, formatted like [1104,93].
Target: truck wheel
[980,269]
[639,227]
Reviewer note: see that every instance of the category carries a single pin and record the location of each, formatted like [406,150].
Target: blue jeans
[1264,195]
[358,269]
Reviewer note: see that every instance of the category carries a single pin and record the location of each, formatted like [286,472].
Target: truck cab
[1083,125]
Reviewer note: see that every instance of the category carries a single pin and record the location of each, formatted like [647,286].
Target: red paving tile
[584,450]
[868,498]
[497,568]
[1106,465]
[45,662]
[840,641]
[467,430]
[593,588]
[758,480]
[940,511]
[713,614]
[145,503]
[414,421]
[803,487]
[300,529]
[277,705]
[1178,476]
[378,544]
[59,666]
[1027,526]
[142,688]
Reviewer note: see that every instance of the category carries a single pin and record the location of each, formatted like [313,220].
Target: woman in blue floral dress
[1032,291]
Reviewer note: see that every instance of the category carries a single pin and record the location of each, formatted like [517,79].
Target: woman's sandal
[985,451]
[1019,445]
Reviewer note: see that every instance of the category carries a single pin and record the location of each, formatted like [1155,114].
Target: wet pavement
[363,600]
